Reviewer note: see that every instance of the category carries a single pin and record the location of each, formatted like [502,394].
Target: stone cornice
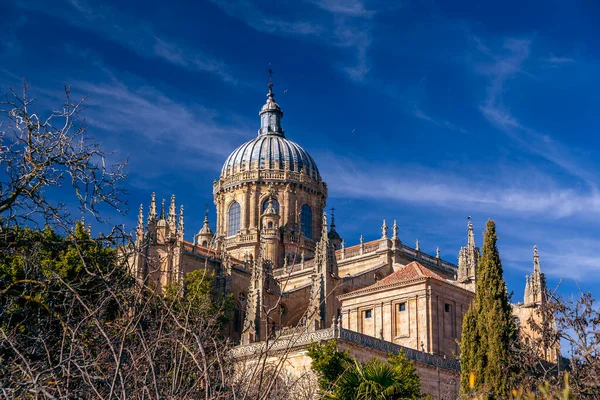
[294,341]
[266,176]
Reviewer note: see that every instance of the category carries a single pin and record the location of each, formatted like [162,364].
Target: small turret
[332,235]
[205,236]
[270,235]
[162,227]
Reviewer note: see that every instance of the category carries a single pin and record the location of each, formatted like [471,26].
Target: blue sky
[420,111]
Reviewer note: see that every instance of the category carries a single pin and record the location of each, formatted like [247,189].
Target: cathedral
[293,276]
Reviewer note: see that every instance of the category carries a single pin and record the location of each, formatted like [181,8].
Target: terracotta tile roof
[410,273]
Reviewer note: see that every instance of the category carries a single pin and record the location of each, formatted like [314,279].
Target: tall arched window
[233,224]
[266,203]
[306,221]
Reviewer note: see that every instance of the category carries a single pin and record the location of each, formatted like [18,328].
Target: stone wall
[439,376]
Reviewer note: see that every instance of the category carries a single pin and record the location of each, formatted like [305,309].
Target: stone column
[220,215]
[247,209]
[252,208]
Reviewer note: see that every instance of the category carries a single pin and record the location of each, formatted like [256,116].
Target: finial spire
[384,230]
[180,226]
[270,85]
[536,260]
[162,210]
[152,211]
[332,218]
[437,252]
[140,224]
[471,235]
[172,215]
[270,113]
[417,245]
[172,210]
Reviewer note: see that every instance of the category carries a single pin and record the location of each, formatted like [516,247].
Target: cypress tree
[488,328]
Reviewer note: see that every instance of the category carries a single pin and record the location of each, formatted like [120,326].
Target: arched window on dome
[306,221]
[265,203]
[233,223]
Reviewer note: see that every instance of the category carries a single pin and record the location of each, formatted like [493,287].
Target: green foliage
[342,377]
[198,299]
[406,373]
[42,272]
[488,328]
[73,322]
[328,363]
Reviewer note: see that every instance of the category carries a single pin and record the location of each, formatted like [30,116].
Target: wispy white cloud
[352,8]
[530,193]
[560,257]
[151,114]
[441,122]
[500,69]
[553,61]
[134,34]
[506,65]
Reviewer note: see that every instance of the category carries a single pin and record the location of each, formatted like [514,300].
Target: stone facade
[290,272]
[439,375]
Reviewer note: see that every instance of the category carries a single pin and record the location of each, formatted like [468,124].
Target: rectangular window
[368,313]
[402,307]
[447,307]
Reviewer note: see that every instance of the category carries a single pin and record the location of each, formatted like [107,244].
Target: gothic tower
[535,284]
[468,260]
[159,245]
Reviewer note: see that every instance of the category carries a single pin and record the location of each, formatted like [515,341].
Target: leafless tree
[575,322]
[40,154]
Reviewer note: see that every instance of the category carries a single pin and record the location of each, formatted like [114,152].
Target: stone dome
[270,152]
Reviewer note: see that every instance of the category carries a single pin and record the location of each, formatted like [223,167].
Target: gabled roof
[412,272]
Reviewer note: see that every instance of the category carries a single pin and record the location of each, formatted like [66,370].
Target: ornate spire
[140,224]
[162,210]
[384,230]
[332,218]
[417,245]
[324,225]
[536,260]
[333,236]
[172,215]
[437,252]
[206,226]
[180,226]
[468,258]
[470,235]
[535,284]
[152,211]
[395,231]
[270,114]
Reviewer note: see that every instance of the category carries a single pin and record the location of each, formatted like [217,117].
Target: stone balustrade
[296,339]
[276,175]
